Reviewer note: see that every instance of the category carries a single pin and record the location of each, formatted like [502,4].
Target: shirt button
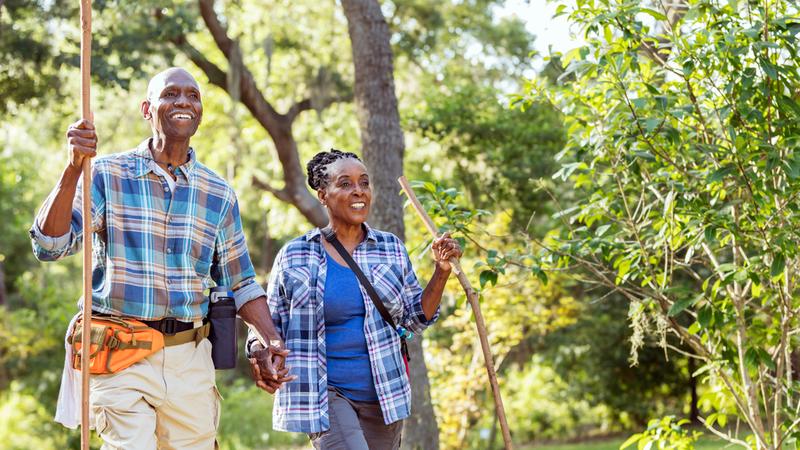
[169,281]
[166,189]
[169,250]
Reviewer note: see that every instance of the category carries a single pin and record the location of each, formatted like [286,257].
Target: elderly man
[165,226]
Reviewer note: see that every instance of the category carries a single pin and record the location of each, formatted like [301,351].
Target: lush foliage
[663,121]
[664,434]
[682,128]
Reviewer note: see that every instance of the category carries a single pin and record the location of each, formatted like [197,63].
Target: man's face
[173,108]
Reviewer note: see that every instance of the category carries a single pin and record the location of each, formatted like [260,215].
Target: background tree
[681,148]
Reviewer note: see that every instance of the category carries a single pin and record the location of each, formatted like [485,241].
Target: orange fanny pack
[115,344]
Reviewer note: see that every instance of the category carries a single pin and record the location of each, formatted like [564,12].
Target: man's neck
[169,152]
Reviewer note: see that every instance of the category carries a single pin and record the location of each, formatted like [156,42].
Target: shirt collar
[314,235]
[145,161]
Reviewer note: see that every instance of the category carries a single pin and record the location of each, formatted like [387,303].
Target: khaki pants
[168,401]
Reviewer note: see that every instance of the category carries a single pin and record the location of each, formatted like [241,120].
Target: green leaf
[651,89]
[688,67]
[765,359]
[719,174]
[680,305]
[770,69]
[631,440]
[488,276]
[751,358]
[704,317]
[653,13]
[709,234]
[623,269]
[540,274]
[778,264]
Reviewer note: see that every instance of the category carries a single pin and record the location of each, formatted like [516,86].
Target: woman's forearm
[432,295]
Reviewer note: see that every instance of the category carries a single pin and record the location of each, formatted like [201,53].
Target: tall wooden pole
[86,114]
[472,297]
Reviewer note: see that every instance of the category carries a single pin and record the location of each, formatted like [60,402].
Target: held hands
[268,367]
[444,248]
[81,142]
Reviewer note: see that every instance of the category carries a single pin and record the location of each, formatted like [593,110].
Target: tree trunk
[694,413]
[382,147]
[2,279]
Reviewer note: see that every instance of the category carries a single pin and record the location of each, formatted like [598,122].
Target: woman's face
[348,195]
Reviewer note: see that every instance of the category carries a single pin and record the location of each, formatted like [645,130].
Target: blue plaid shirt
[295,295]
[156,251]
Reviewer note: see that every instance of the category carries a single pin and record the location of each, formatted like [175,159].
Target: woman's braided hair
[317,168]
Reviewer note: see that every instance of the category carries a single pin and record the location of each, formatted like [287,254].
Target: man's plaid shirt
[155,251]
[295,295]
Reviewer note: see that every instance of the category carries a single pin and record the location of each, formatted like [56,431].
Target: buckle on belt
[168,325]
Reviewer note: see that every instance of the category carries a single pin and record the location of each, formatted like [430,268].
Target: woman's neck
[349,235]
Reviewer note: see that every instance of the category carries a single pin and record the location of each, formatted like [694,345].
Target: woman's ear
[321,196]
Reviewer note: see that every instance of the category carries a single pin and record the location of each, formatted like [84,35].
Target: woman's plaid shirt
[156,251]
[295,294]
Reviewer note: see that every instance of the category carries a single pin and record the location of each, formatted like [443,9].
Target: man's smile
[181,116]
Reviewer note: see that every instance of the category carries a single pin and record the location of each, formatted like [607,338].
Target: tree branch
[278,126]
[215,75]
[297,108]
[280,194]
[251,96]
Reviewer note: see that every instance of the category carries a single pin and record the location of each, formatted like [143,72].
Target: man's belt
[175,332]
[169,325]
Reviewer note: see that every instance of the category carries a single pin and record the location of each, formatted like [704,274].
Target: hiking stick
[472,297]
[86,210]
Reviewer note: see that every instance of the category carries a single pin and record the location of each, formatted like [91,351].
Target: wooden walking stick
[472,297]
[86,114]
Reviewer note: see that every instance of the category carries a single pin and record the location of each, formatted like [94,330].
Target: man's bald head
[162,79]
[173,106]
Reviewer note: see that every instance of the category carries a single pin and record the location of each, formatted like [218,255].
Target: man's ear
[145,109]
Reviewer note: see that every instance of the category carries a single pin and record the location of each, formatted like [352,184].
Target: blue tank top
[349,369]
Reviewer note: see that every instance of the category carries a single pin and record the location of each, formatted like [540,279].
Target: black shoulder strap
[330,236]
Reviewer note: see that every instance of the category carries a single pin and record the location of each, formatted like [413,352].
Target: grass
[613,444]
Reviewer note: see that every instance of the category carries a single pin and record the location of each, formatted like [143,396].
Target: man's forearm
[256,314]
[56,214]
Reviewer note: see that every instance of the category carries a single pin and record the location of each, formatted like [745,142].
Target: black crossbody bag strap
[330,236]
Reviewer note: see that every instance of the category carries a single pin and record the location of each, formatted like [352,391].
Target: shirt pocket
[388,283]
[201,250]
[296,287]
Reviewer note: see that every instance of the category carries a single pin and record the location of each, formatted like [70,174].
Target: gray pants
[356,426]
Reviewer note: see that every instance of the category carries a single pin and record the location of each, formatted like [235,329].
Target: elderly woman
[347,386]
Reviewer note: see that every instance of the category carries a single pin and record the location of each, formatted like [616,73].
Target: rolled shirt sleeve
[276,302]
[49,244]
[414,318]
[232,265]
[52,248]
